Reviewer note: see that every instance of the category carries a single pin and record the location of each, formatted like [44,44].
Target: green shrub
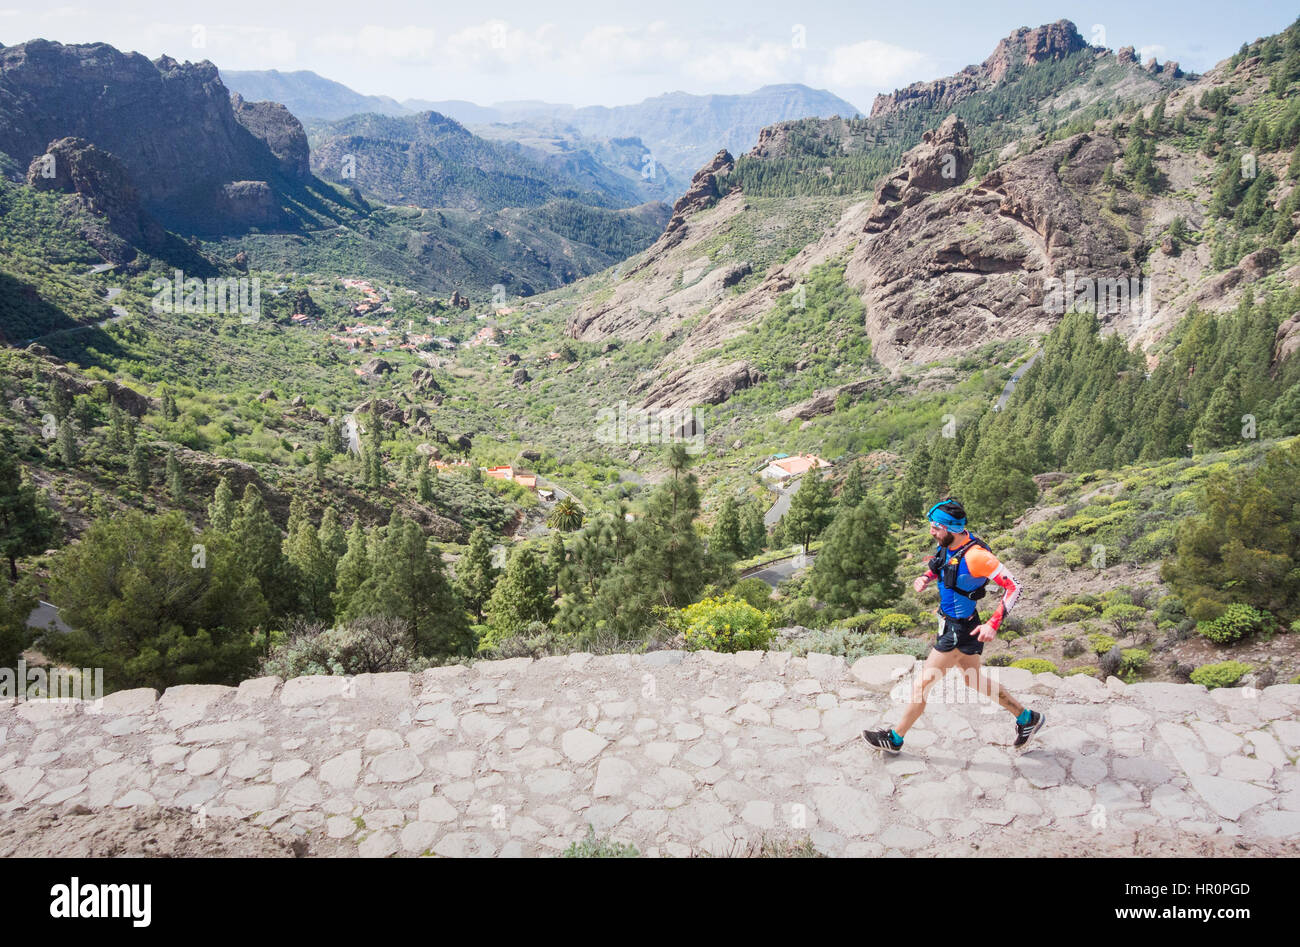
[1071,647]
[754,591]
[1132,661]
[1083,669]
[998,661]
[592,847]
[1124,617]
[1072,555]
[1068,613]
[894,623]
[725,624]
[853,644]
[1036,666]
[1237,621]
[1222,674]
[1100,643]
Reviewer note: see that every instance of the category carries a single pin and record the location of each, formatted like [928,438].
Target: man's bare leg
[936,665]
[985,684]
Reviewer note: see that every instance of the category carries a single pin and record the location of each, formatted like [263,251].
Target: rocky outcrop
[283,134]
[249,204]
[935,94]
[103,187]
[377,366]
[1287,340]
[1024,47]
[942,160]
[823,402]
[958,269]
[690,386]
[702,193]
[171,125]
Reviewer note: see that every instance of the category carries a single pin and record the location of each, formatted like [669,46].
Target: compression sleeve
[1011,592]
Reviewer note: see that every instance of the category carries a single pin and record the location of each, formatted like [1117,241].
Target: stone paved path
[676,753]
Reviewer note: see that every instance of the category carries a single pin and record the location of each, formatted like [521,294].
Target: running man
[964,564]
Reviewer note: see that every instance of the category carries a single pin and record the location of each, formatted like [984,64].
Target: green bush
[1222,674]
[894,623]
[1036,666]
[1124,617]
[854,644]
[1237,621]
[592,847]
[754,591]
[725,624]
[1072,554]
[1068,613]
[998,661]
[1083,669]
[1132,661]
[1100,643]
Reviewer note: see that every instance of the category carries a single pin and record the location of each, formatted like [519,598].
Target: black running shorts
[959,633]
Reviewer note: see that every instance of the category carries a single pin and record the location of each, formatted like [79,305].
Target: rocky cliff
[171,125]
[1025,47]
[675,753]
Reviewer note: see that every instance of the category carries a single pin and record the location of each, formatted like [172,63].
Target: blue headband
[944,518]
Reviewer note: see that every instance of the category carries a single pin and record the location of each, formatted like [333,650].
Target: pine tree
[332,538]
[475,574]
[853,491]
[175,479]
[753,534]
[260,546]
[522,596]
[407,582]
[810,511]
[1220,424]
[313,570]
[66,443]
[27,526]
[140,468]
[116,441]
[908,501]
[425,486]
[222,509]
[353,569]
[725,539]
[855,570]
[999,490]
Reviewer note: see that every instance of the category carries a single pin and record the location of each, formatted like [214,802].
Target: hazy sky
[604,53]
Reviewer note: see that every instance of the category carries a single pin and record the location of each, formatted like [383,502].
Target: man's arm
[984,565]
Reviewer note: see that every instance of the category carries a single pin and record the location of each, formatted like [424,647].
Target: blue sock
[895,739]
[1025,716]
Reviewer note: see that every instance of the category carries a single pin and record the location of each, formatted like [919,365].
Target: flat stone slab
[679,753]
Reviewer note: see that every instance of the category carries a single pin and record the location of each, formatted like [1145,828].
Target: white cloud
[745,65]
[400,44]
[1154,51]
[869,63]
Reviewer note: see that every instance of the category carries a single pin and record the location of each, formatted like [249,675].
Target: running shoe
[1025,731]
[881,740]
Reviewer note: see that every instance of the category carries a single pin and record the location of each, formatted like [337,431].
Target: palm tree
[567,515]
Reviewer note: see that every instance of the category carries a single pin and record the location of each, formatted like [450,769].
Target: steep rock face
[170,124]
[1288,340]
[102,186]
[1026,46]
[283,134]
[689,387]
[942,160]
[702,193]
[965,268]
[1047,43]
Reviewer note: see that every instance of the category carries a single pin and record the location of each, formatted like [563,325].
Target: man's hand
[985,632]
[919,585]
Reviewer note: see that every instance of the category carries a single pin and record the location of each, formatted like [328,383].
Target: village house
[783,466]
[508,472]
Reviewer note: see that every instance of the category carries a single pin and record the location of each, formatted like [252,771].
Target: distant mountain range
[681,131]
